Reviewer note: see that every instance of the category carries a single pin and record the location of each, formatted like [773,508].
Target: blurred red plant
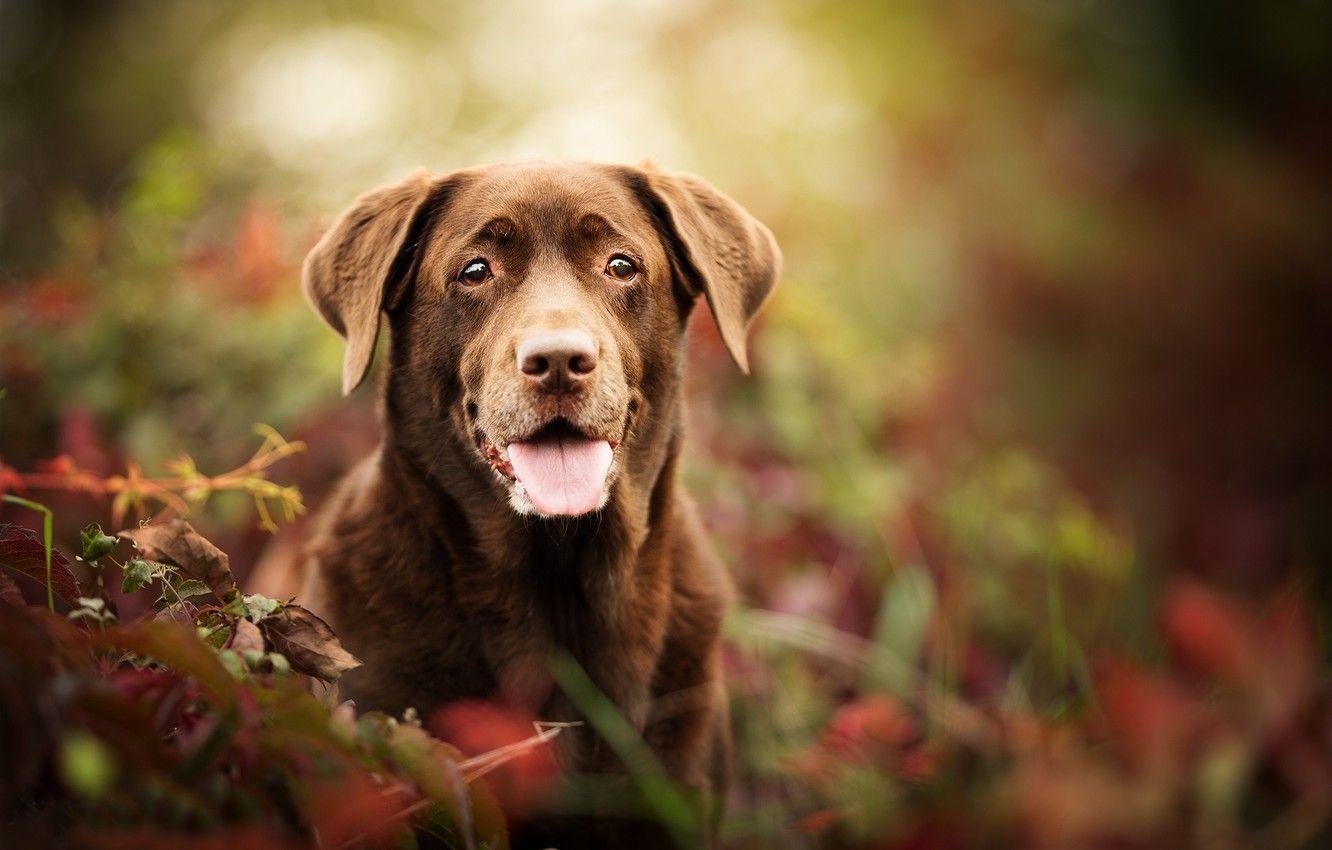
[529,773]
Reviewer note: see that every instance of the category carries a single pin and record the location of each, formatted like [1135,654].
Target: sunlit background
[1048,364]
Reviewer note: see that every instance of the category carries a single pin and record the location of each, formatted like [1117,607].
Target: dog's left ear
[350,275]
[722,251]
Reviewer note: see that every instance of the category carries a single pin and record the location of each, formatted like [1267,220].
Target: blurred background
[1040,413]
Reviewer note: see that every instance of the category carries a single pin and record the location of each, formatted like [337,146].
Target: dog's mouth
[560,470]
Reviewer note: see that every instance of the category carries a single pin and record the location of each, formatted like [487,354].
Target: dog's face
[537,313]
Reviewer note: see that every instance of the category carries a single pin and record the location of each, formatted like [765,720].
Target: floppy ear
[366,252]
[722,250]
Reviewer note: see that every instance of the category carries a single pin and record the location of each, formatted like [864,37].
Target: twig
[478,766]
[179,491]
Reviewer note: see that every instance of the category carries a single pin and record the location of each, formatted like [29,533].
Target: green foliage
[903,623]
[87,766]
[191,718]
[661,797]
[95,543]
[137,573]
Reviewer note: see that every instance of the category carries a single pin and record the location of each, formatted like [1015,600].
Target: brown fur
[420,562]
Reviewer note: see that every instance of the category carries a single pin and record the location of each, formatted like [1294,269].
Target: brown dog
[523,505]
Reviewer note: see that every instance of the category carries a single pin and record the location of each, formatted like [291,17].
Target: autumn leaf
[9,591]
[176,646]
[500,739]
[182,612]
[355,811]
[22,552]
[307,642]
[1151,719]
[1207,634]
[246,637]
[176,543]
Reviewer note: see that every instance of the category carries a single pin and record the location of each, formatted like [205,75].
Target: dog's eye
[622,268]
[475,272]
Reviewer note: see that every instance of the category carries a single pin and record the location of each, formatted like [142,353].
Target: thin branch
[184,488]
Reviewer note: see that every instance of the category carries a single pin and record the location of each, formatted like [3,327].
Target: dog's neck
[566,564]
[577,579]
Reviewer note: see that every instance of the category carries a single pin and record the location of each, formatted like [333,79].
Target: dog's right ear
[360,261]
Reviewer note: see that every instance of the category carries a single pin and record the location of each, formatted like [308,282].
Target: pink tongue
[562,476]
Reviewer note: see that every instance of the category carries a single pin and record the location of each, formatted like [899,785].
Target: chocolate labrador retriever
[523,506]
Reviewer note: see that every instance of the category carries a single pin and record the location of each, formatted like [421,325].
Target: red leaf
[354,810]
[1206,634]
[477,727]
[178,647]
[870,726]
[9,591]
[22,552]
[1151,720]
[818,821]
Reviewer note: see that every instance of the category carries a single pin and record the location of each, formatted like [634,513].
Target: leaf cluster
[197,716]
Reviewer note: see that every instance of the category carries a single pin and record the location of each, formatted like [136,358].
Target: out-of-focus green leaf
[87,766]
[667,801]
[905,613]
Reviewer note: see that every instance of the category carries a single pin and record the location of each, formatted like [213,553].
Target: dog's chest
[432,630]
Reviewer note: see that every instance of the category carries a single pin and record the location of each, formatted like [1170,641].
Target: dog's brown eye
[475,272]
[621,268]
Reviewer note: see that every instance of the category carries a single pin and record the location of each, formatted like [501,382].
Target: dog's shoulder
[700,570]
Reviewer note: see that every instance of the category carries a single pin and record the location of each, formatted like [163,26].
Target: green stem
[666,800]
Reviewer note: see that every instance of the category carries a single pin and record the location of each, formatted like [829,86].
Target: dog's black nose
[558,359]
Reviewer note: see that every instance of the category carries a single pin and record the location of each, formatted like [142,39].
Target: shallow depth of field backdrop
[1029,495]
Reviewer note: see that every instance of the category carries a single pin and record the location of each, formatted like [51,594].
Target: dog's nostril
[535,365]
[582,363]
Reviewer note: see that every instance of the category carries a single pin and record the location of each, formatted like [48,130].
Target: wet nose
[557,359]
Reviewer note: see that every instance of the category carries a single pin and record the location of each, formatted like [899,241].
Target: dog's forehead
[546,196]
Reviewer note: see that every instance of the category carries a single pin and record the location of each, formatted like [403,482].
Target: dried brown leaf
[175,542]
[307,642]
[246,637]
[183,611]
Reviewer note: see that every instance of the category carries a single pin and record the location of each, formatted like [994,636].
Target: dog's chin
[522,503]
[557,472]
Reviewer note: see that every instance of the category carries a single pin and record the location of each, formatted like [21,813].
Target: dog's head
[537,312]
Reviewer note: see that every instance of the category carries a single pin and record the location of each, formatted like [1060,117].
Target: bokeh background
[1029,495]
